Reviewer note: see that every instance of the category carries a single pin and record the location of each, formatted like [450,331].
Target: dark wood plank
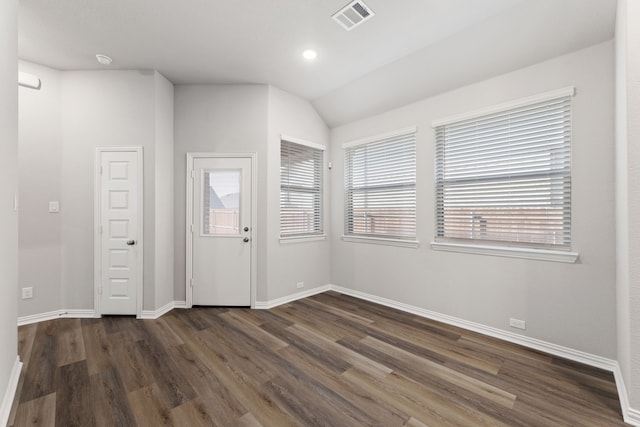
[97,346]
[109,400]
[149,408]
[214,397]
[40,375]
[173,387]
[133,368]
[195,414]
[39,412]
[73,396]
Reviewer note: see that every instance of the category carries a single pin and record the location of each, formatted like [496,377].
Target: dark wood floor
[328,360]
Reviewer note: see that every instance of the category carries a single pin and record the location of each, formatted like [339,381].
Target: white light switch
[54,207]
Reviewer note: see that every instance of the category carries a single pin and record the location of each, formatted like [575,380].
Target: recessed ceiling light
[104,59]
[309,54]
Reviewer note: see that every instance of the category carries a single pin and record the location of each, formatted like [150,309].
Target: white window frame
[503,248]
[391,240]
[306,237]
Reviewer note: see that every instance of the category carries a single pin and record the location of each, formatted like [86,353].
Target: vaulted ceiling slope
[410,49]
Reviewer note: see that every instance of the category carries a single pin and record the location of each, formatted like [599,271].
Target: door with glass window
[221,231]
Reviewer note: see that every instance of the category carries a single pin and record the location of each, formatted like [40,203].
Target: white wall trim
[630,415]
[154,314]
[57,314]
[10,392]
[40,317]
[264,305]
[388,241]
[508,251]
[90,314]
[79,314]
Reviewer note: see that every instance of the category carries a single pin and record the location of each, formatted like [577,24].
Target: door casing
[190,226]
[97,209]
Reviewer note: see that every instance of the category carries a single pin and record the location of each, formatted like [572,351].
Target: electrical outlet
[300,285]
[27,293]
[516,323]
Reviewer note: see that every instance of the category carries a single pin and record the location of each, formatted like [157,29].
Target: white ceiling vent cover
[353,14]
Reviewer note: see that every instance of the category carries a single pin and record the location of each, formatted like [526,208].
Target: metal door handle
[246,239]
[246,229]
[131,242]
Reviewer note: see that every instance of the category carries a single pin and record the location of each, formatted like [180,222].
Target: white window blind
[380,187]
[300,190]
[506,176]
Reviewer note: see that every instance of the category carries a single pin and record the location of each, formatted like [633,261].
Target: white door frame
[97,230]
[189,220]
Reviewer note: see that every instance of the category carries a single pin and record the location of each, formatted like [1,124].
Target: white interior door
[120,232]
[221,231]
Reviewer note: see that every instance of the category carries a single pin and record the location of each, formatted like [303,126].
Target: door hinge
[193,174]
[101,173]
[191,228]
[99,290]
[191,282]
[101,230]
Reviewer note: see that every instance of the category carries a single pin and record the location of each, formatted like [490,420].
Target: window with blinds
[506,176]
[300,190]
[380,186]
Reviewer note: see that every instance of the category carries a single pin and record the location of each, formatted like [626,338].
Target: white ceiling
[410,49]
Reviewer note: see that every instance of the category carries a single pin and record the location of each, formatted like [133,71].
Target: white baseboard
[56,314]
[10,393]
[263,305]
[630,415]
[79,314]
[90,313]
[154,314]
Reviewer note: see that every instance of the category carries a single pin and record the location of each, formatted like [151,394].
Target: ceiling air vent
[352,15]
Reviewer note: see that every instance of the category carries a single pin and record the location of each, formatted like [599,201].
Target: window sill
[382,241]
[506,251]
[302,239]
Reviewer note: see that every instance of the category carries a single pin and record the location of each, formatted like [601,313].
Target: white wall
[163,208]
[567,304]
[628,195]
[250,118]
[307,262]
[62,124]
[8,188]
[100,108]
[40,173]
[221,119]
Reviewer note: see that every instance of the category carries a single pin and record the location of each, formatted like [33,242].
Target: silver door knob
[246,239]
[131,242]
